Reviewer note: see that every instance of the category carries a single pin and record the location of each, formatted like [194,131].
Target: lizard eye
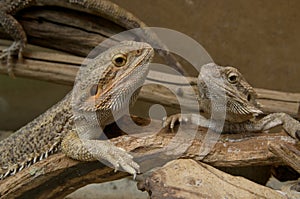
[94,89]
[119,60]
[233,78]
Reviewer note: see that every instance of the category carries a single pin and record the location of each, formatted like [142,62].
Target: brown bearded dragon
[102,8]
[103,87]
[239,105]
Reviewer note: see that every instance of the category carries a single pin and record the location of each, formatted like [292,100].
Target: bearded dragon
[102,8]
[234,102]
[102,93]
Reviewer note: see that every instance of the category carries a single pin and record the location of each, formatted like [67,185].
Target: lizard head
[109,78]
[241,102]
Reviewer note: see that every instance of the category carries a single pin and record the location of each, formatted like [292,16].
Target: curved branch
[57,175]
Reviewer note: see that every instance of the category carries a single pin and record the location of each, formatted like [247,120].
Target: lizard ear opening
[249,97]
[94,90]
[119,60]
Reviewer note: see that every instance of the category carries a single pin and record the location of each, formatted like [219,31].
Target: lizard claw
[15,49]
[173,119]
[117,157]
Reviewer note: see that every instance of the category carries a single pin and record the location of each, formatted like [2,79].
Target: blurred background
[260,38]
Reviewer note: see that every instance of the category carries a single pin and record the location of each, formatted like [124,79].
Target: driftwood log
[68,30]
[191,179]
[57,176]
[64,29]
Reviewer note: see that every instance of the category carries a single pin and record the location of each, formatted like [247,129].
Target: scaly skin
[241,105]
[103,87]
[101,8]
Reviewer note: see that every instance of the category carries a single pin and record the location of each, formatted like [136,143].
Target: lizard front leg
[16,31]
[289,124]
[92,150]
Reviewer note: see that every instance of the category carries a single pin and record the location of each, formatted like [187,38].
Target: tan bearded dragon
[219,85]
[103,87]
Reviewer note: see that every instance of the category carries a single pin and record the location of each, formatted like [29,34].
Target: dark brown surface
[260,38]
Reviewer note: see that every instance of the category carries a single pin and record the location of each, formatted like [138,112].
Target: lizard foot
[118,157]
[15,49]
[292,127]
[173,119]
[101,150]
[289,124]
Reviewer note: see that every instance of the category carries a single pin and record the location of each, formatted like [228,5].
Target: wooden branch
[189,179]
[49,66]
[65,29]
[74,31]
[289,154]
[58,67]
[57,176]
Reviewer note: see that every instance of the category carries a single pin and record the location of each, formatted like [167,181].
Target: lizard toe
[172,120]
[119,158]
[126,162]
[166,122]
[130,169]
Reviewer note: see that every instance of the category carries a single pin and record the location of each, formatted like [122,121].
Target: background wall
[260,38]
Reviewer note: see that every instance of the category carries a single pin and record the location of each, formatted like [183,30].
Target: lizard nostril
[138,52]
